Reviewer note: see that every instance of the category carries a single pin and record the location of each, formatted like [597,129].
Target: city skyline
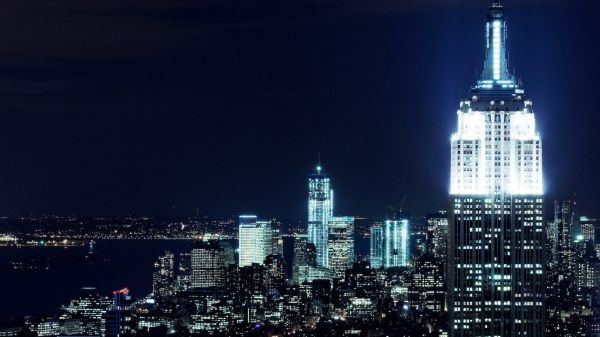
[207,128]
[113,134]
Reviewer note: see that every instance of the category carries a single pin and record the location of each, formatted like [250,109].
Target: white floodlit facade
[255,240]
[496,149]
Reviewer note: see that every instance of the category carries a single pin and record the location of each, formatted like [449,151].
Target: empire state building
[496,227]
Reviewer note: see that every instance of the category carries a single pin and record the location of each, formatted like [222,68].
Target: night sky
[156,107]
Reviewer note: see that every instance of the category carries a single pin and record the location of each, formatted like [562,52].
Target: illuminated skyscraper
[163,278]
[305,254]
[208,265]
[587,229]
[496,228]
[376,251]
[320,210]
[438,226]
[256,239]
[341,244]
[390,244]
[395,251]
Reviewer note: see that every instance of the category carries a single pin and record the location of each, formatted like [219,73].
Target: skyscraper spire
[495,67]
[319,167]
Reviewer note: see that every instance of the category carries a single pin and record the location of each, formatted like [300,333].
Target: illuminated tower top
[496,149]
[495,67]
[496,79]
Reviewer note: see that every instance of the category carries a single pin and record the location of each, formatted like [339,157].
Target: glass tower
[376,251]
[256,240]
[395,243]
[320,210]
[495,226]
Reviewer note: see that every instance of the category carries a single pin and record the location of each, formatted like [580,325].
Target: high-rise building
[496,227]
[229,253]
[588,229]
[390,246]
[320,211]
[89,304]
[438,226]
[376,247]
[426,289]
[305,255]
[255,238]
[274,275]
[563,233]
[208,265]
[163,278]
[277,245]
[341,244]
[396,252]
[184,273]
[587,276]
[117,321]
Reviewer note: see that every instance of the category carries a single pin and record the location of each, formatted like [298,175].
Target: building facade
[320,211]
[163,278]
[390,244]
[376,246]
[496,228]
[208,265]
[255,239]
[341,244]
[396,252]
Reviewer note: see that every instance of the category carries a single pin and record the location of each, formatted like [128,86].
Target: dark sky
[118,107]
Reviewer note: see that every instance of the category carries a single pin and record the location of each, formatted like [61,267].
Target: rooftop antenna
[319,167]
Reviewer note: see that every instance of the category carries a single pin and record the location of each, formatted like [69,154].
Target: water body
[116,264]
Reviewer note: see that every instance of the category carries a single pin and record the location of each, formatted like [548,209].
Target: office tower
[362,279]
[163,278]
[376,246]
[89,304]
[419,239]
[564,229]
[341,244]
[252,290]
[184,273]
[320,210]
[390,244]
[274,275]
[229,253]
[426,286]
[208,264]
[305,254]
[587,229]
[587,277]
[255,238]
[496,228]
[277,244]
[438,226]
[396,251]
[117,321]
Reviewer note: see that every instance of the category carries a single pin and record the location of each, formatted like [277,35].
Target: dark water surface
[116,264]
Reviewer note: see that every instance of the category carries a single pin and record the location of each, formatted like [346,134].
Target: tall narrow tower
[496,227]
[320,211]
